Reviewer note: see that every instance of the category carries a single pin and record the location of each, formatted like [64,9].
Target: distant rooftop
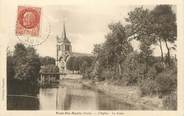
[81,54]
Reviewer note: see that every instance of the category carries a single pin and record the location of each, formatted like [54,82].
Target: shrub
[85,75]
[163,83]
[159,67]
[106,74]
[151,74]
[170,101]
[148,87]
[88,74]
[167,81]
[147,84]
[132,69]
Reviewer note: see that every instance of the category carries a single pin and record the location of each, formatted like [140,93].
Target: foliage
[153,26]
[167,81]
[23,70]
[49,69]
[107,74]
[151,73]
[159,83]
[80,63]
[70,63]
[27,63]
[133,70]
[19,54]
[47,60]
[164,26]
[164,22]
[146,52]
[148,87]
[170,101]
[97,49]
[10,68]
[159,67]
[115,59]
[139,24]
[88,74]
[86,61]
[116,45]
[111,54]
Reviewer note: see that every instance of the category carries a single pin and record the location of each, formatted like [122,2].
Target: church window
[59,47]
[67,47]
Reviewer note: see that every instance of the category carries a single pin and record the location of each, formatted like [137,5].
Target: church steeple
[64,50]
[64,36]
[64,31]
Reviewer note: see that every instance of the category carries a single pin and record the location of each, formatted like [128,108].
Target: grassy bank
[128,94]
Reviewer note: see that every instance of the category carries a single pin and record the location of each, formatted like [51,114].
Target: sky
[86,25]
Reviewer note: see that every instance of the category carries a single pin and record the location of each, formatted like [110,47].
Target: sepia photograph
[89,57]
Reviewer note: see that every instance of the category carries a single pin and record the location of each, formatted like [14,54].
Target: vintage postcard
[89,58]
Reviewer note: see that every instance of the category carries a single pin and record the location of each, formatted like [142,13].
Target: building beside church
[49,75]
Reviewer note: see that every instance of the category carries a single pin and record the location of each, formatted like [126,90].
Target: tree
[164,25]
[111,54]
[159,24]
[140,28]
[97,49]
[85,63]
[146,52]
[47,60]
[139,23]
[33,61]
[79,63]
[76,63]
[10,68]
[27,64]
[133,70]
[117,46]
[19,54]
[70,63]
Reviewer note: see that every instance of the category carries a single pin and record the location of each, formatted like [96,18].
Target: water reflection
[67,97]
[110,103]
[22,95]
[22,103]
[81,98]
[47,98]
[76,99]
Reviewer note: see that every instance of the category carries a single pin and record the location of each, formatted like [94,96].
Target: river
[70,95]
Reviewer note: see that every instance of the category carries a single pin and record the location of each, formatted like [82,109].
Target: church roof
[81,54]
[66,40]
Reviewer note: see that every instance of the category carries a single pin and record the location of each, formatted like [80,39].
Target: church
[64,51]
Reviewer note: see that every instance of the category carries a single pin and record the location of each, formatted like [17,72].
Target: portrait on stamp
[28,21]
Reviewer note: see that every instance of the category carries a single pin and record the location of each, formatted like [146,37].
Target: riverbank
[128,94]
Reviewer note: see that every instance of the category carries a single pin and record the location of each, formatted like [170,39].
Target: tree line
[117,61]
[79,64]
[23,69]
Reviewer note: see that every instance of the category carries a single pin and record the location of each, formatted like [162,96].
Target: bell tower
[64,50]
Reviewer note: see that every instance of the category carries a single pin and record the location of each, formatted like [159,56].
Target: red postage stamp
[28,21]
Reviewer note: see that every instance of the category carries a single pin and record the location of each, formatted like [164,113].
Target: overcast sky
[86,25]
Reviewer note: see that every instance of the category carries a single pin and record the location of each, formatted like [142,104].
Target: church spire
[64,37]
[64,31]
